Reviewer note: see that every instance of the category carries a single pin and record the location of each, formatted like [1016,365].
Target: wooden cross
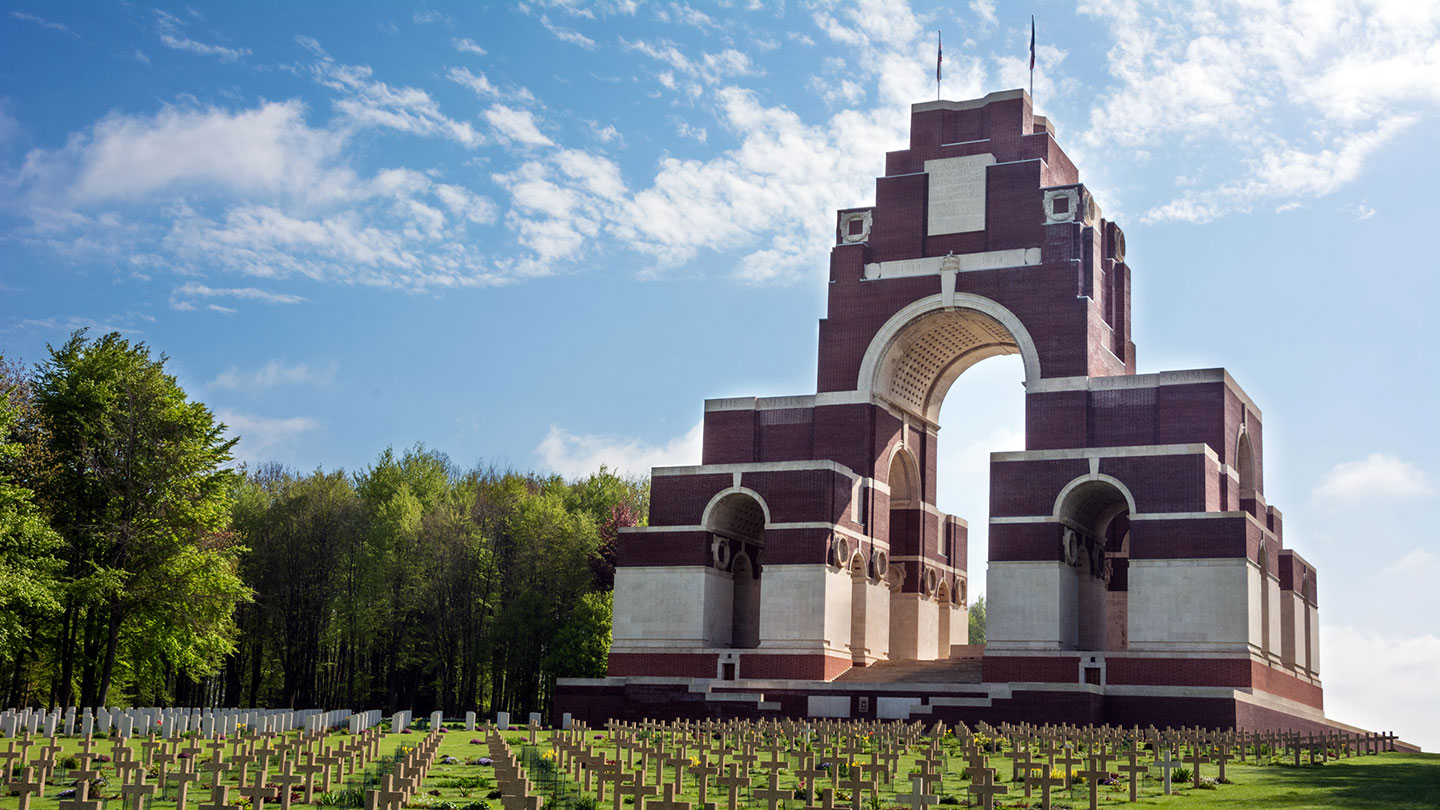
[858,784]
[982,784]
[702,771]
[184,778]
[1045,781]
[219,799]
[1093,777]
[638,792]
[82,800]
[259,793]
[1195,758]
[139,791]
[1222,755]
[1165,766]
[826,798]
[732,781]
[773,794]
[668,802]
[1134,770]
[917,797]
[25,785]
[1069,760]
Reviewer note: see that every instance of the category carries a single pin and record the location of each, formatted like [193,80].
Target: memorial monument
[1136,572]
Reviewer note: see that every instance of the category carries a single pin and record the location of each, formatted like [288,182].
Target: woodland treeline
[140,565]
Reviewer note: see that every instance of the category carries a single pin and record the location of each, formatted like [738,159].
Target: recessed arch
[1245,465]
[728,511]
[922,349]
[1101,478]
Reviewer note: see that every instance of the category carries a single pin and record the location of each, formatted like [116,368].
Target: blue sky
[541,233]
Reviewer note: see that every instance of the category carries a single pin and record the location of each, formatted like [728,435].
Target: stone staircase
[951,670]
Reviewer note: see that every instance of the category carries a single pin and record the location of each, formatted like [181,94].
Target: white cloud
[263,438]
[187,295]
[477,82]
[1379,476]
[1274,101]
[467,45]
[172,35]
[268,149]
[985,10]
[514,124]
[272,374]
[44,23]
[1418,562]
[577,455]
[567,34]
[1382,683]
[368,102]
[257,191]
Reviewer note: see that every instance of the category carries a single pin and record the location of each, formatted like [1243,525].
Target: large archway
[910,367]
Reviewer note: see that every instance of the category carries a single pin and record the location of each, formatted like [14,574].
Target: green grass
[1385,781]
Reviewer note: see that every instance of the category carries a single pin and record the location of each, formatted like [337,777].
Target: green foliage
[1180,776]
[977,621]
[29,567]
[135,480]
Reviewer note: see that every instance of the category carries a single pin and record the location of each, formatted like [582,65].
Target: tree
[977,621]
[29,587]
[141,495]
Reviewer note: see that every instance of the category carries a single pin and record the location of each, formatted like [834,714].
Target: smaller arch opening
[1094,516]
[738,519]
[1245,466]
[1263,561]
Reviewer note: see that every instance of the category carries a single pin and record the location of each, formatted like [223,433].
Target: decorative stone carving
[847,237]
[1061,204]
[928,582]
[720,552]
[839,551]
[1071,542]
[895,578]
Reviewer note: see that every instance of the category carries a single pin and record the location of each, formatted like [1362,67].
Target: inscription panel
[957,194]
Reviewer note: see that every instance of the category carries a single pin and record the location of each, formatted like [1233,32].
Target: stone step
[952,670]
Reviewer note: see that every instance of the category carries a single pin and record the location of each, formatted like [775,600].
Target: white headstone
[469,721]
[126,726]
[534,718]
[565,721]
[436,719]
[397,723]
[502,719]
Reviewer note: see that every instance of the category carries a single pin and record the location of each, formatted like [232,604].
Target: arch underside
[928,355]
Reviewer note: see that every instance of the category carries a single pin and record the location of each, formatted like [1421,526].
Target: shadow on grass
[1386,781]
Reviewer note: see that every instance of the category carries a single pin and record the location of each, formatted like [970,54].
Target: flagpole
[1032,61]
[939,57]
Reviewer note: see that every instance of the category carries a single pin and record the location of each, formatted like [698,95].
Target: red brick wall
[665,665]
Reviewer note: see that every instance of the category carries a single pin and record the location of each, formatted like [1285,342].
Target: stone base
[596,700]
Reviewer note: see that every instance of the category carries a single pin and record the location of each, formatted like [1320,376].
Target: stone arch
[858,568]
[1307,599]
[717,511]
[922,349]
[1245,465]
[1093,512]
[737,517]
[1262,560]
[942,596]
[903,477]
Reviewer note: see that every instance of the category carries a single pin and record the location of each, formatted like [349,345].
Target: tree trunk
[112,642]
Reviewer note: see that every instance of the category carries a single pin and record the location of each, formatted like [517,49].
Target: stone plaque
[957,194]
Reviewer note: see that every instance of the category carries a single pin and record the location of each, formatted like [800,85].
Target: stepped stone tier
[1136,572]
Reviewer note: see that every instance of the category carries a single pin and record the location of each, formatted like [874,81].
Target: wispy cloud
[186,296]
[1379,476]
[577,455]
[272,374]
[467,45]
[44,23]
[569,35]
[264,438]
[172,34]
